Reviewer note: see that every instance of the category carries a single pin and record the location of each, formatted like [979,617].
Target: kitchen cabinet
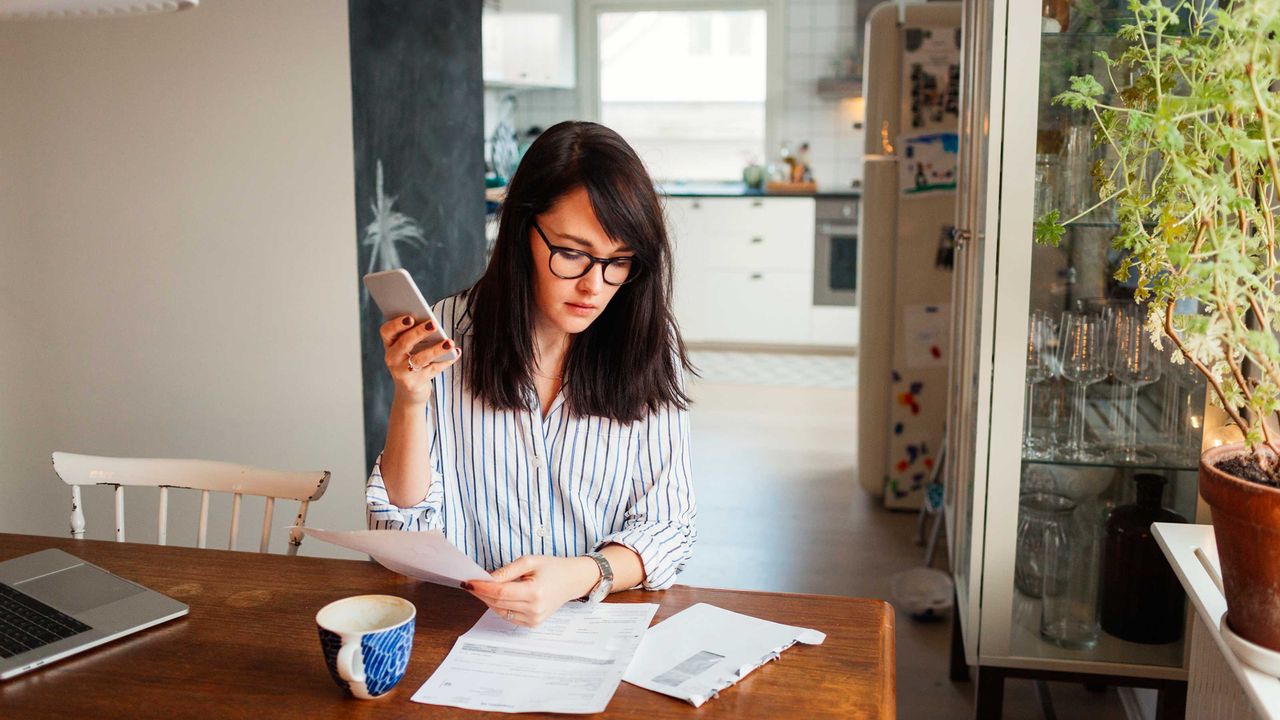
[529,43]
[744,269]
[1021,157]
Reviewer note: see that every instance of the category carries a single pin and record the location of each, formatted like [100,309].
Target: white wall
[179,261]
[15,395]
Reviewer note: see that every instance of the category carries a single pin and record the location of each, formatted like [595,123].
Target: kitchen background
[820,40]
[720,99]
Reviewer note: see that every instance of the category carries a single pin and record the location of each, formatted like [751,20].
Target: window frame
[588,38]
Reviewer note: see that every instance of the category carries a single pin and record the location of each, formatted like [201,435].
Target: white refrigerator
[911,76]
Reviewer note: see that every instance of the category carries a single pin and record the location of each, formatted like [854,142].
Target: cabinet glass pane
[1103,405]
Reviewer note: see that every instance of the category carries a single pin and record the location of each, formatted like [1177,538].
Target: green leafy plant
[1191,124]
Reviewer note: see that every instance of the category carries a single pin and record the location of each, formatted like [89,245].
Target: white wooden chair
[204,475]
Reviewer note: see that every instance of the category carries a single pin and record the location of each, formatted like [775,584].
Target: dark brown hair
[628,362]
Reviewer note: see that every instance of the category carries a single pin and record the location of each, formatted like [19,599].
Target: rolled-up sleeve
[659,521]
[381,514]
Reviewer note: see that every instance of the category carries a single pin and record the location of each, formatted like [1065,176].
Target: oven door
[835,266]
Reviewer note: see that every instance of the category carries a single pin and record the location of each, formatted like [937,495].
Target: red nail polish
[430,326]
[448,344]
[467,586]
[407,321]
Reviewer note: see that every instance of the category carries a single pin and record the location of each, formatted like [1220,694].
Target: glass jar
[1044,520]
[1048,184]
[1069,608]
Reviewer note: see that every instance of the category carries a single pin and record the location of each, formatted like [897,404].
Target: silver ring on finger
[510,614]
[412,367]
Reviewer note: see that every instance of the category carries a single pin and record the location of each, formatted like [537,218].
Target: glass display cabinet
[1068,430]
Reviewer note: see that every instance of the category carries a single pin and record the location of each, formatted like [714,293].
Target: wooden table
[249,647]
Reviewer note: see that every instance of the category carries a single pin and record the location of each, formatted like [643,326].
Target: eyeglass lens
[569,264]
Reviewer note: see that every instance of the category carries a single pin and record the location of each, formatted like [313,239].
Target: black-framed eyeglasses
[570,264]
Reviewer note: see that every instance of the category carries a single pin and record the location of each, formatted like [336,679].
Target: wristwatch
[605,586]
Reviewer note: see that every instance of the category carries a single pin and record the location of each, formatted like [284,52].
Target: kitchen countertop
[732,189]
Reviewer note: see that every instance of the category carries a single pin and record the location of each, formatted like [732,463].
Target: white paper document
[571,663]
[422,555]
[701,650]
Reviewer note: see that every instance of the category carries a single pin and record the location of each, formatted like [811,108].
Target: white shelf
[1180,543]
[1111,656]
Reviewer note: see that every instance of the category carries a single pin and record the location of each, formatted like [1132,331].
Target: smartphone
[397,294]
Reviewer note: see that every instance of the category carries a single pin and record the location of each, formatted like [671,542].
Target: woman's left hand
[529,590]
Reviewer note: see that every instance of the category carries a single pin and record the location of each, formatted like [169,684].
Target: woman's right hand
[399,336]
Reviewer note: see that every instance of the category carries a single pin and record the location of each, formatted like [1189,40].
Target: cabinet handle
[757,276]
[696,204]
[757,203]
[757,240]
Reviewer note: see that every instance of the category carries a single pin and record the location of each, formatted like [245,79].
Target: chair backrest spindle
[203,534]
[77,514]
[267,513]
[235,522]
[162,517]
[295,535]
[119,513]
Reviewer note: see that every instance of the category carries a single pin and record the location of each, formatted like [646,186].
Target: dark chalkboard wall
[418,112]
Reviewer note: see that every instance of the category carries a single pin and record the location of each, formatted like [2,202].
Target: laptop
[53,605]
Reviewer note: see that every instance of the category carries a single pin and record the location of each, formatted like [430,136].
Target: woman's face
[571,306]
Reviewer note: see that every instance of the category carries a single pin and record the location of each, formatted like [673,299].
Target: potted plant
[1191,128]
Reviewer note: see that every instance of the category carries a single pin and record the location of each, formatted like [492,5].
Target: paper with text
[572,663]
[701,650]
[422,555]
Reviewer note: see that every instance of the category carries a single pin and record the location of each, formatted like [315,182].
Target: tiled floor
[780,509]
[723,367]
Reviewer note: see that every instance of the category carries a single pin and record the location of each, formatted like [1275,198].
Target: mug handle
[347,661]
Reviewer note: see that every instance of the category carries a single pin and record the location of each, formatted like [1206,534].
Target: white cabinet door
[686,228]
[760,233]
[759,306]
[835,326]
[529,42]
[743,269]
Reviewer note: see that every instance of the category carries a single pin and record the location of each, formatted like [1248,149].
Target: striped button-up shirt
[508,483]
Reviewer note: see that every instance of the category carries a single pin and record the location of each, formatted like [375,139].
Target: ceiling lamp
[46,9]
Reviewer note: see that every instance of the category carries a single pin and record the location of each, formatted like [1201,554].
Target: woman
[554,449]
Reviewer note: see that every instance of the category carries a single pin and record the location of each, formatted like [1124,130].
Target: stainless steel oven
[835,251]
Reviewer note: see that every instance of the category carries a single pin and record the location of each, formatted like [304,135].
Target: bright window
[686,89]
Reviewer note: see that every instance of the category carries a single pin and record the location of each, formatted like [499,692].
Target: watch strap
[605,585]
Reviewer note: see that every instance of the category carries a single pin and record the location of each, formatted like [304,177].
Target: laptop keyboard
[27,623]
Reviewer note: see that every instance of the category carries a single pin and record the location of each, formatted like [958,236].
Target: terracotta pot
[1246,522]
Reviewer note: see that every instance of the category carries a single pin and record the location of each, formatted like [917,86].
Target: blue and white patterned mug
[366,641]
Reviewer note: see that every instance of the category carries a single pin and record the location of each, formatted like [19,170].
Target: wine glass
[1136,365]
[1083,363]
[1188,415]
[1108,309]
[1042,365]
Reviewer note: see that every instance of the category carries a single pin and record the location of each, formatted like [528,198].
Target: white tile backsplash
[800,15]
[821,46]
[819,35]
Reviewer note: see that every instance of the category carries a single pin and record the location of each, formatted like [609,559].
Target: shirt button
[542,531]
